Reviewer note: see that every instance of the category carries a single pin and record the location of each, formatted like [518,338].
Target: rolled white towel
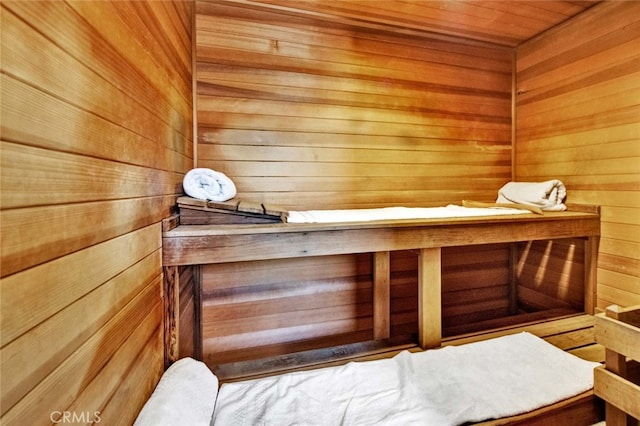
[185,395]
[548,195]
[207,184]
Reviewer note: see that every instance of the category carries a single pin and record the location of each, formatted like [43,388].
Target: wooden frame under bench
[185,245]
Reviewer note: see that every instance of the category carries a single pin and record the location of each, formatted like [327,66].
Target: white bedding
[359,393]
[449,386]
[494,378]
[396,213]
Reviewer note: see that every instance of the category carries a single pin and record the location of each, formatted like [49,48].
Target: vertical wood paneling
[307,115]
[578,106]
[96,136]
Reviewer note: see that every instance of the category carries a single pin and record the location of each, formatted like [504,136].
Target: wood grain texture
[96,135]
[496,22]
[271,290]
[578,105]
[309,116]
[618,330]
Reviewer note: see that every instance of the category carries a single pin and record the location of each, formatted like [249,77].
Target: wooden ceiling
[502,22]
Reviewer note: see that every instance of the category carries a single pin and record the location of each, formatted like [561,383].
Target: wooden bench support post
[171,291]
[381,295]
[429,298]
[513,278]
[590,273]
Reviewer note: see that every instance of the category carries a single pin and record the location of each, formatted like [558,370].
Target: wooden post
[171,313]
[616,363]
[513,278]
[197,311]
[381,295]
[429,298]
[590,273]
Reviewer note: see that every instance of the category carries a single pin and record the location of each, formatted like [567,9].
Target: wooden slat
[581,409]
[622,394]
[429,295]
[381,295]
[46,396]
[73,179]
[23,63]
[139,380]
[61,334]
[34,244]
[55,129]
[617,329]
[171,313]
[281,241]
[96,399]
[618,336]
[43,291]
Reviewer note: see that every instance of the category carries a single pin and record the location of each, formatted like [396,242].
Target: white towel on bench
[495,378]
[185,395]
[548,195]
[207,184]
[356,394]
[395,213]
[499,377]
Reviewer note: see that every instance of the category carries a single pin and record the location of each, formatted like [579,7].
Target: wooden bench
[215,244]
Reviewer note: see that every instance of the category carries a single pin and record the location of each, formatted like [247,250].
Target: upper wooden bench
[221,243]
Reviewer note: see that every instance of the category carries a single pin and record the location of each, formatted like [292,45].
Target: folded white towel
[185,395]
[207,184]
[548,195]
[395,213]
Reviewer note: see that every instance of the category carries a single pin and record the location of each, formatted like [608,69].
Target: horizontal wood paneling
[577,109]
[265,308]
[96,135]
[307,115]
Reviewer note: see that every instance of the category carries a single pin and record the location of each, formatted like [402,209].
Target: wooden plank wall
[96,136]
[578,109]
[551,275]
[253,310]
[309,115]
